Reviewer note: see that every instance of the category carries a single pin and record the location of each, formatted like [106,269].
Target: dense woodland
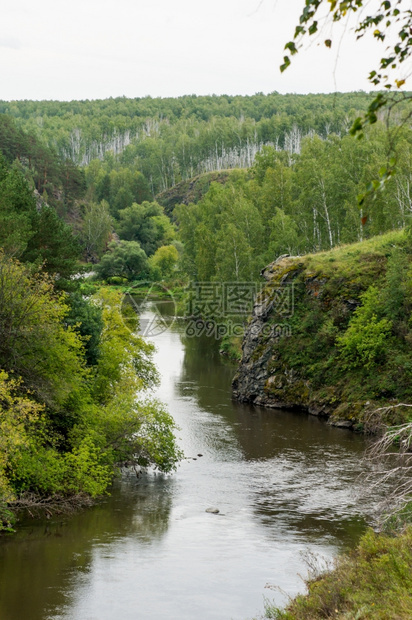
[293,190]
[92,186]
[71,371]
[170,140]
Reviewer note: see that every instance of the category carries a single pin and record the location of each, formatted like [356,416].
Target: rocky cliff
[297,346]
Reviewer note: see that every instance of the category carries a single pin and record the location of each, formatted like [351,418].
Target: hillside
[190,191]
[331,332]
[56,179]
[175,139]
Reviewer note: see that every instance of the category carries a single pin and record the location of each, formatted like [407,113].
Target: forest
[290,175]
[70,368]
[170,140]
[193,189]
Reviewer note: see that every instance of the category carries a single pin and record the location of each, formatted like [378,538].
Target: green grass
[231,348]
[328,287]
[374,582]
[357,259]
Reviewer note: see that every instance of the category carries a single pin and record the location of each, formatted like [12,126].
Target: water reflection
[283,482]
[47,560]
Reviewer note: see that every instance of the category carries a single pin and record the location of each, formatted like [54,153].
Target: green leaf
[285,64]
[361,199]
[291,47]
[357,126]
[313,28]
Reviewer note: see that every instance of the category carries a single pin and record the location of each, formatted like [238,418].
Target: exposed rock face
[263,377]
[308,346]
[254,376]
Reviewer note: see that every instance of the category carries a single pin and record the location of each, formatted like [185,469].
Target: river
[285,484]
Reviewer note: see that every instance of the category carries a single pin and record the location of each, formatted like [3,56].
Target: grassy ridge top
[348,351]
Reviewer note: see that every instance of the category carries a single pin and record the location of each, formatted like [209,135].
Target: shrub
[364,342]
[125,259]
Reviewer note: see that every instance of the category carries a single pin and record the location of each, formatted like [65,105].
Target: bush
[125,259]
[117,280]
[163,262]
[365,340]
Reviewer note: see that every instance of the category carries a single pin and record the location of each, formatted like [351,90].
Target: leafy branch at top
[387,17]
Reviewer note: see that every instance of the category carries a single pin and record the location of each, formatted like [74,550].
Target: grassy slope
[374,582]
[327,290]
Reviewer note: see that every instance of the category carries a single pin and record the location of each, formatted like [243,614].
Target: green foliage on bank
[70,417]
[373,582]
[347,343]
[74,377]
[348,355]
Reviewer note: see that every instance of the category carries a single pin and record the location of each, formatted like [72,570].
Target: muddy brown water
[285,484]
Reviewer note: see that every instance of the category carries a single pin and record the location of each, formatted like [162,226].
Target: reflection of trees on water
[302,474]
[153,502]
[207,372]
[55,555]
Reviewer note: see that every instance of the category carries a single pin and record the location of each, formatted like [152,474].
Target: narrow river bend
[284,483]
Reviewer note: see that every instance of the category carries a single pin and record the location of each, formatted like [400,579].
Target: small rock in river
[200,455]
[213,511]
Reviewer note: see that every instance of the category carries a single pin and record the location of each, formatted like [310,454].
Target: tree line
[72,374]
[295,203]
[170,140]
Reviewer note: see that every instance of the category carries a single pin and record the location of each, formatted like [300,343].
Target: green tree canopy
[147,224]
[34,343]
[96,229]
[388,21]
[164,261]
[385,20]
[53,244]
[126,259]
[17,210]
[34,233]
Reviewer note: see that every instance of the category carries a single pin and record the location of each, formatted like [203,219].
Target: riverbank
[330,334]
[373,582]
[263,470]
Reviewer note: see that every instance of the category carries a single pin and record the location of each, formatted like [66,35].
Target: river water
[285,484]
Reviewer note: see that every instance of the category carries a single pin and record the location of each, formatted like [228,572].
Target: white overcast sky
[92,49]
